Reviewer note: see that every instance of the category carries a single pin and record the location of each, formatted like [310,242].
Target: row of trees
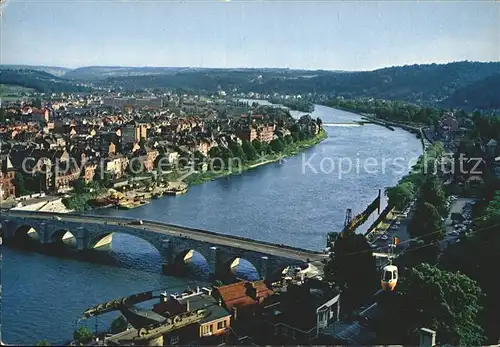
[251,151]
[478,256]
[407,188]
[389,110]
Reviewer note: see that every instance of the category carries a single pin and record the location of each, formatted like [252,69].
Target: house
[65,174]
[301,313]
[242,299]
[213,328]
[7,175]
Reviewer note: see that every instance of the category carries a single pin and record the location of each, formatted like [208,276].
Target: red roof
[236,294]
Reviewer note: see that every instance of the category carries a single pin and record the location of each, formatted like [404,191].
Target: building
[212,328]
[133,132]
[243,299]
[7,175]
[299,313]
[134,102]
[262,133]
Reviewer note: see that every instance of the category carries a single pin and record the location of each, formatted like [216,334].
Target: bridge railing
[162,224]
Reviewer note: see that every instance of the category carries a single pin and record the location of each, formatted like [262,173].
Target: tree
[135,166]
[79,186]
[447,302]
[237,151]
[37,103]
[426,224]
[43,343]
[401,194]
[119,324]
[20,185]
[432,192]
[478,257]
[352,267]
[277,145]
[249,149]
[82,335]
[259,147]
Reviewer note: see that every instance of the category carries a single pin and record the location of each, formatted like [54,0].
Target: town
[70,142]
[249,173]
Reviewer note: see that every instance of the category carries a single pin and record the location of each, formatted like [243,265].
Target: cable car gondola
[389,277]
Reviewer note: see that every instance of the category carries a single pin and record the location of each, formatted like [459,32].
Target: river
[294,202]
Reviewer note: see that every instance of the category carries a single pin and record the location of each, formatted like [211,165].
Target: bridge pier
[82,239]
[263,267]
[43,235]
[167,254]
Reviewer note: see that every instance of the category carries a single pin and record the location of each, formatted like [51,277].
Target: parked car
[384,237]
[137,222]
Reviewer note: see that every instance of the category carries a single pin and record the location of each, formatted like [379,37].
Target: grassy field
[10,92]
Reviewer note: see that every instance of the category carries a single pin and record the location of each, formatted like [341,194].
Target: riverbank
[138,194]
[197,178]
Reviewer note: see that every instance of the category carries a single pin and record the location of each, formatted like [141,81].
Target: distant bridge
[173,242]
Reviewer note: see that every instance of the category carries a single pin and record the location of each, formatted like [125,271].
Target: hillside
[449,85]
[53,70]
[483,94]
[423,84]
[38,80]
[100,72]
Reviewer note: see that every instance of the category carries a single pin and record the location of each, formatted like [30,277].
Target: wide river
[295,202]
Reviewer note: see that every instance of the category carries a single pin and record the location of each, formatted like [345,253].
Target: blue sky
[330,35]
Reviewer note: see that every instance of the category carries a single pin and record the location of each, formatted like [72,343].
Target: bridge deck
[176,230]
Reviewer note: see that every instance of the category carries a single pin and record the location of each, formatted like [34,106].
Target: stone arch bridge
[171,241]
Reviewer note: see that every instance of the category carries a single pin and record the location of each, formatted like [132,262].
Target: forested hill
[38,80]
[483,94]
[452,85]
[427,84]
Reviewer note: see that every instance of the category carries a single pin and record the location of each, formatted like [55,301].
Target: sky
[330,35]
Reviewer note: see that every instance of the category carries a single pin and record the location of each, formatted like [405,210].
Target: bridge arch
[63,236]
[193,261]
[26,232]
[243,268]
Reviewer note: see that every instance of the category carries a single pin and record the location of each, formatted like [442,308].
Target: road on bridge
[179,231]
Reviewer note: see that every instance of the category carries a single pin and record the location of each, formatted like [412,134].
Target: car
[57,218]
[394,227]
[372,245]
[384,237]
[137,222]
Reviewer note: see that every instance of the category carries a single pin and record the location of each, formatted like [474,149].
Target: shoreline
[198,178]
[210,176]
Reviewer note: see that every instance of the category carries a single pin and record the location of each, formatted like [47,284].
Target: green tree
[478,256]
[37,103]
[352,267]
[432,192]
[82,335]
[249,149]
[447,302]
[119,324]
[401,194]
[277,145]
[43,343]
[79,186]
[135,166]
[259,147]
[426,224]
[20,185]
[237,151]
